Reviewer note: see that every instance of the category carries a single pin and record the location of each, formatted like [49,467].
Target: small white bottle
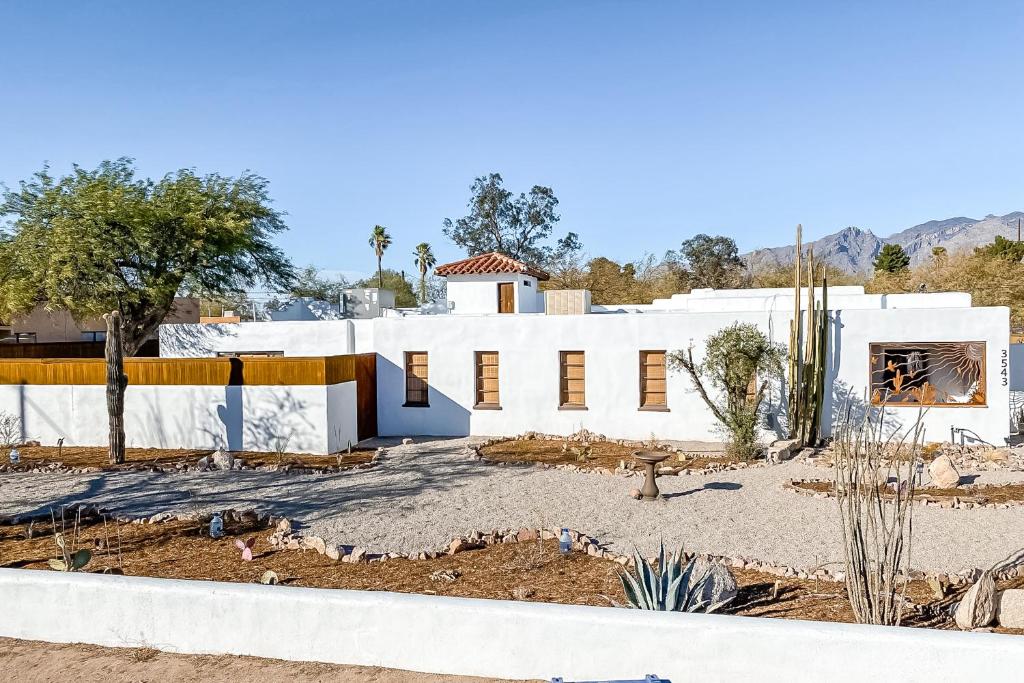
[15,456]
[216,526]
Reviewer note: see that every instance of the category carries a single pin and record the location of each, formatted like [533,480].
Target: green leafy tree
[515,226]
[733,380]
[1003,248]
[311,283]
[380,240]
[425,260]
[105,242]
[394,280]
[892,259]
[710,262]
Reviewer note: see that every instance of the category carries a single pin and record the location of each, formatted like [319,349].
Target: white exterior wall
[494,638]
[294,338]
[854,330]
[528,370]
[478,294]
[304,419]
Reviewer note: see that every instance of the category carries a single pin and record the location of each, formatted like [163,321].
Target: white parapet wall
[501,639]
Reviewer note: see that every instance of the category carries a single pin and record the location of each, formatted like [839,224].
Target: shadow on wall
[443,417]
[191,340]
[279,426]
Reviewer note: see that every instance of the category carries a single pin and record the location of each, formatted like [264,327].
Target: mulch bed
[992,494]
[96,458]
[533,571]
[599,455]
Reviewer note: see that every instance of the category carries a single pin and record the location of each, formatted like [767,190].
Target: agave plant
[670,587]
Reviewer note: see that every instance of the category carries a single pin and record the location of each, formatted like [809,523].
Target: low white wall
[503,639]
[305,419]
[293,338]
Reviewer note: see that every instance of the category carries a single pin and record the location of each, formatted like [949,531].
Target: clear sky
[651,121]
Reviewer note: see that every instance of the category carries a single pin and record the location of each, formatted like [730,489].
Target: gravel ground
[422,495]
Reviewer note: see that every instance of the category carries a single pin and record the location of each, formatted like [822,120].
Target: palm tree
[425,260]
[380,240]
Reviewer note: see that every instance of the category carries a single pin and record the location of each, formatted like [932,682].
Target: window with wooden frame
[486,363]
[416,378]
[928,373]
[572,380]
[653,394]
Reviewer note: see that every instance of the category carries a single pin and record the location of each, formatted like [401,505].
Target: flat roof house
[496,364]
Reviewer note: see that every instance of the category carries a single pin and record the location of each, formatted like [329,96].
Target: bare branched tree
[875,489]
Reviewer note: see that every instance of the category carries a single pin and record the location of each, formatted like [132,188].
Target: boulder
[333,553]
[357,555]
[943,473]
[462,544]
[720,586]
[284,525]
[222,460]
[315,543]
[1011,608]
[526,535]
[978,607]
[781,450]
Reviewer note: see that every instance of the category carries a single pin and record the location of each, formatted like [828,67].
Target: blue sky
[651,121]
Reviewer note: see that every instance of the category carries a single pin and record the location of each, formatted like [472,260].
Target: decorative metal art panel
[928,373]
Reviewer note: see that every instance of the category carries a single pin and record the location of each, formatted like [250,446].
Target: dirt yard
[35,662]
[96,458]
[597,454]
[526,571]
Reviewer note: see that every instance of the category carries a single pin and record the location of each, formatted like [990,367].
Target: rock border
[663,470]
[966,502]
[284,537]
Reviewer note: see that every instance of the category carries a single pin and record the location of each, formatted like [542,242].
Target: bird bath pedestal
[650,459]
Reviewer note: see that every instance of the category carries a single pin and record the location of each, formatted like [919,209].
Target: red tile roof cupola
[490,263]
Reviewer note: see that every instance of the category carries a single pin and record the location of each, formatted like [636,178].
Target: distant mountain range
[853,250]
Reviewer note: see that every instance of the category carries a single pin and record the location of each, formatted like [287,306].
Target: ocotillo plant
[807,369]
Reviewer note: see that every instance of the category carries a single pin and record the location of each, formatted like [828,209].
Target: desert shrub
[675,585]
[875,492]
[10,430]
[737,365]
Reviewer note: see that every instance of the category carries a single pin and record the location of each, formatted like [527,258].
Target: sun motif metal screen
[928,373]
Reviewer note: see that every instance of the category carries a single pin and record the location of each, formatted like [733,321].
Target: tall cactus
[117,381]
[807,369]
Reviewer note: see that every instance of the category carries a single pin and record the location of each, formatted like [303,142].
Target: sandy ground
[422,495]
[28,661]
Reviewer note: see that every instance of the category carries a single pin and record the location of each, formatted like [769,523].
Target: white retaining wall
[503,639]
[305,419]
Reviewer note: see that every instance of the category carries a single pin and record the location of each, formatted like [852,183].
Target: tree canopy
[710,262]
[96,241]
[519,227]
[891,259]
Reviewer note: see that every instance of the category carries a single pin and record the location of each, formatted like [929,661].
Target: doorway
[506,297]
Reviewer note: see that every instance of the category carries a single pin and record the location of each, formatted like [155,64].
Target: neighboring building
[492,283]
[357,304]
[44,326]
[483,373]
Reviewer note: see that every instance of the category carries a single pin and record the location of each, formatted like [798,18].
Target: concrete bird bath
[650,459]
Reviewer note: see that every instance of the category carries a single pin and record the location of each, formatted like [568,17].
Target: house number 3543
[1004,366]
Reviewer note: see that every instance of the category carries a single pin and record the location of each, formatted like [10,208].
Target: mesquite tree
[117,382]
[103,240]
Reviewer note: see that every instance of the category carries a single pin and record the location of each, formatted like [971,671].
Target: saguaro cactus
[807,368]
[117,381]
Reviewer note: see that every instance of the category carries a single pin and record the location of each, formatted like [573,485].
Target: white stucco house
[498,363]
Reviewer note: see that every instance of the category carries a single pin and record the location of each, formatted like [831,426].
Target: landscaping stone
[333,553]
[781,450]
[222,460]
[636,494]
[978,607]
[526,535]
[1011,608]
[462,544]
[284,526]
[315,543]
[357,555]
[943,473]
[720,586]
